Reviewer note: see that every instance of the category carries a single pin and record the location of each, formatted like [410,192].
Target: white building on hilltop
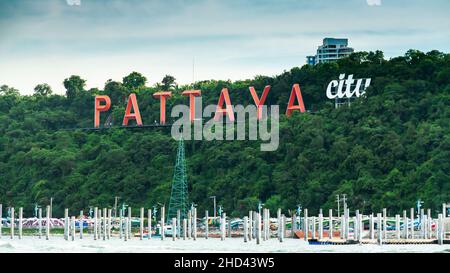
[331,50]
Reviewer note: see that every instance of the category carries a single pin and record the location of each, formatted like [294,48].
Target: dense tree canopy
[43,90]
[74,86]
[168,82]
[134,81]
[388,149]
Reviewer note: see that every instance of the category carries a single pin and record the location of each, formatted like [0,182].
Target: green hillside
[387,150]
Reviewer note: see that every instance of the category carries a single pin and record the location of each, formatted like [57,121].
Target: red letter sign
[295,94]
[259,102]
[100,108]
[224,96]
[162,97]
[192,94]
[132,102]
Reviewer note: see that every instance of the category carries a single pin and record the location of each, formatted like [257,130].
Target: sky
[46,41]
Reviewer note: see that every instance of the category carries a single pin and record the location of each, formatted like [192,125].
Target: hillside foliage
[389,149]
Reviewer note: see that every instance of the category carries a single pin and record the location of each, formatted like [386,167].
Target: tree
[8,91]
[168,82]
[43,90]
[116,91]
[74,85]
[376,57]
[134,81]
[390,148]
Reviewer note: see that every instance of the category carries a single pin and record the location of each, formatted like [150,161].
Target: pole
[267,226]
[215,208]
[306,224]
[189,224]
[330,223]
[422,224]
[384,223]
[222,226]
[264,224]
[405,225]
[313,230]
[214,200]
[279,224]
[109,223]
[372,229]
[163,209]
[245,229]
[73,228]
[360,227]
[258,228]
[20,222]
[347,221]
[120,223]
[104,223]
[194,224]
[39,222]
[141,227]
[125,238]
[66,224]
[47,224]
[379,228]
[441,229]
[13,224]
[99,226]
[184,228]
[320,226]
[338,205]
[95,223]
[229,228]
[115,206]
[81,222]
[207,225]
[293,225]
[397,225]
[412,223]
[250,224]
[178,224]
[174,228]
[51,207]
[149,224]
[344,201]
[129,223]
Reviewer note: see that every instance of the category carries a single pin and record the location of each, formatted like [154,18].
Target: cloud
[47,41]
[73,2]
[374,2]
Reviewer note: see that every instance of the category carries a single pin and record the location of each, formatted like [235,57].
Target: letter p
[100,108]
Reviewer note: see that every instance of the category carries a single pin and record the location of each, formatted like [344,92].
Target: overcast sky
[49,40]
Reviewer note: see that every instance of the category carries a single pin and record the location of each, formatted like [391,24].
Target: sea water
[135,245]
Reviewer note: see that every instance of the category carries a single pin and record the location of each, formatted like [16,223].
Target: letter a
[100,108]
[224,97]
[295,94]
[132,102]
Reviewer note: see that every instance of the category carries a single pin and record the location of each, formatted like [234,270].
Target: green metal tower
[179,195]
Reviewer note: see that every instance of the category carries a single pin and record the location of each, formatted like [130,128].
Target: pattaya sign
[353,87]
[224,106]
[337,89]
